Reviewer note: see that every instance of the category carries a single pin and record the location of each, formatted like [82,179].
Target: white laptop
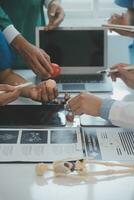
[81,52]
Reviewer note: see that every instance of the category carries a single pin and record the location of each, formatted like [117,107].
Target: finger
[46,55]
[114,76]
[45,64]
[50,93]
[9,97]
[51,15]
[56,92]
[49,61]
[124,73]
[44,95]
[118,65]
[116,17]
[74,107]
[73,101]
[40,95]
[35,93]
[52,11]
[6,87]
[39,69]
[78,111]
[36,69]
[56,21]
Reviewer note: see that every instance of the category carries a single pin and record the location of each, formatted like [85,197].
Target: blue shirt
[6,54]
[125,3]
[131,53]
[105,108]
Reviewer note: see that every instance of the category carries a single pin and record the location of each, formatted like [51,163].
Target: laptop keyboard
[80,78]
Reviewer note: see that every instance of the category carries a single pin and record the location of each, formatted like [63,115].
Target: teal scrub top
[25,15]
[6,54]
[131,53]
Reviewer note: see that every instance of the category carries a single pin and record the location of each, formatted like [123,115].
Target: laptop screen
[74,47]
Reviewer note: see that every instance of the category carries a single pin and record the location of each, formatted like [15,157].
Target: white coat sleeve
[122,114]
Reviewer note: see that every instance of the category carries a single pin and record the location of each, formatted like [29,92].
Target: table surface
[19,181]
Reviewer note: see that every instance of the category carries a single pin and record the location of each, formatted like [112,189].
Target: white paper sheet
[35,145]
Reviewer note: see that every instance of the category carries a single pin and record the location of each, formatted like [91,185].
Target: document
[52,144]
[39,145]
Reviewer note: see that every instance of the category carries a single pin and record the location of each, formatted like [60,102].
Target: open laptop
[81,53]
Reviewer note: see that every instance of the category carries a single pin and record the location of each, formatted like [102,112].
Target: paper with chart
[47,145]
[39,145]
[109,143]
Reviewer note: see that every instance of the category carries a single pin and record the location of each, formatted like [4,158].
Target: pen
[19,86]
[119,27]
[129,67]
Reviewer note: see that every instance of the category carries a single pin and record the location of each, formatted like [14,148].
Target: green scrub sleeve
[4,20]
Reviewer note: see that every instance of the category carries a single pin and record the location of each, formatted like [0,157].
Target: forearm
[19,43]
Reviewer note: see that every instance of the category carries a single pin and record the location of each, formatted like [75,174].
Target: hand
[126,76]
[38,60]
[44,92]
[85,103]
[55,15]
[120,20]
[10,94]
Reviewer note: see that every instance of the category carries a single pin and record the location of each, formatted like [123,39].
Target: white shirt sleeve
[46,2]
[10,32]
[122,114]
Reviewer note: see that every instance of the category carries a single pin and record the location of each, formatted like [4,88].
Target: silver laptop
[81,53]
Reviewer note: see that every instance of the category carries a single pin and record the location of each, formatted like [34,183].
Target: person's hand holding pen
[44,92]
[126,75]
[122,19]
[10,94]
[55,15]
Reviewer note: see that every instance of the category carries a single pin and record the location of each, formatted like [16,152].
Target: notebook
[81,53]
